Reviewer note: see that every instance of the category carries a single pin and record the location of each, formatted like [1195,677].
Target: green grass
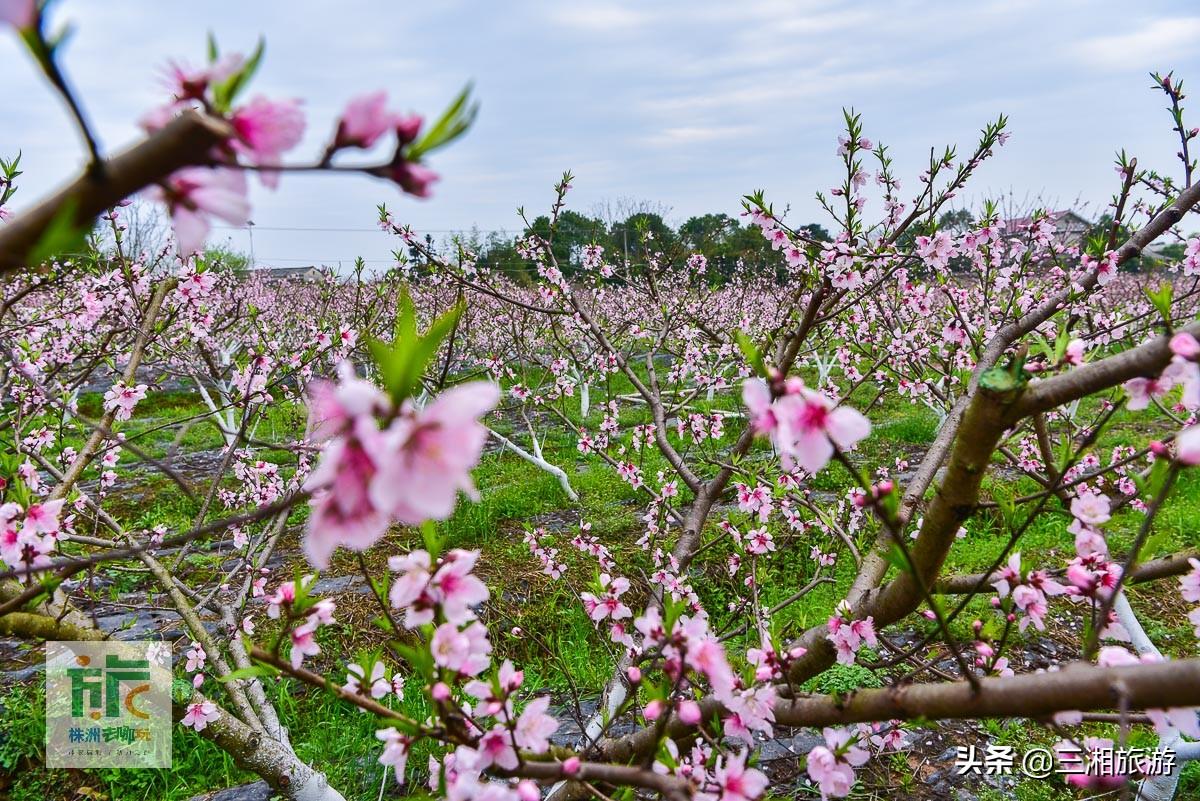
[539,623]
[843,679]
[324,732]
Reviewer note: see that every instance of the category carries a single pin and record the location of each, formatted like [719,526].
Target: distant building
[1069,227]
[310,273]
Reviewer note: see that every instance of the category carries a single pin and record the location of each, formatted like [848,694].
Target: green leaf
[51,583]
[1156,543]
[1060,344]
[406,317]
[672,609]
[391,370]
[402,363]
[426,347]
[750,351]
[62,235]
[226,92]
[252,672]
[419,658]
[433,542]
[1066,453]
[1161,299]
[896,558]
[303,600]
[1158,476]
[665,757]
[453,123]
[404,727]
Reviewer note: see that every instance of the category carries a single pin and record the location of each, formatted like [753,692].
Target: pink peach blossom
[465,651]
[804,425]
[414,178]
[365,119]
[21,14]
[266,129]
[199,715]
[1187,445]
[738,782]
[343,511]
[430,453]
[193,194]
[534,726]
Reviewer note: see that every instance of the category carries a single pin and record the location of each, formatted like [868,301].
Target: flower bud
[689,712]
[407,128]
[653,710]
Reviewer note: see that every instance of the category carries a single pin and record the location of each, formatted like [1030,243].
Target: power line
[311,260]
[366,230]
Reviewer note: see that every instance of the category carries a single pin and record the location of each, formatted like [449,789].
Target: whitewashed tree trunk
[1155,788]
[535,458]
[272,760]
[220,409]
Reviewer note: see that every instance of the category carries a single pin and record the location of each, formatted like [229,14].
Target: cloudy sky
[685,104]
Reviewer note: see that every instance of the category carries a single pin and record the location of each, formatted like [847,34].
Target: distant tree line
[730,246]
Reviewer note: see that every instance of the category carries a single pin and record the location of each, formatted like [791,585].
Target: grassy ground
[557,645]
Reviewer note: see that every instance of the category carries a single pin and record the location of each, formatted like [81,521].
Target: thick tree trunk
[273,761]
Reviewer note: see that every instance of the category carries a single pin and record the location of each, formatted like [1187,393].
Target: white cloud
[686,103]
[695,134]
[1152,46]
[598,17]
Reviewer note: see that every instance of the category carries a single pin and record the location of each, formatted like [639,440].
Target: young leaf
[1161,299]
[62,235]
[433,542]
[896,558]
[426,347]
[453,123]
[750,351]
[226,92]
[252,672]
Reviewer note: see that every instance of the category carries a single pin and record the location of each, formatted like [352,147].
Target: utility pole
[250,228]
